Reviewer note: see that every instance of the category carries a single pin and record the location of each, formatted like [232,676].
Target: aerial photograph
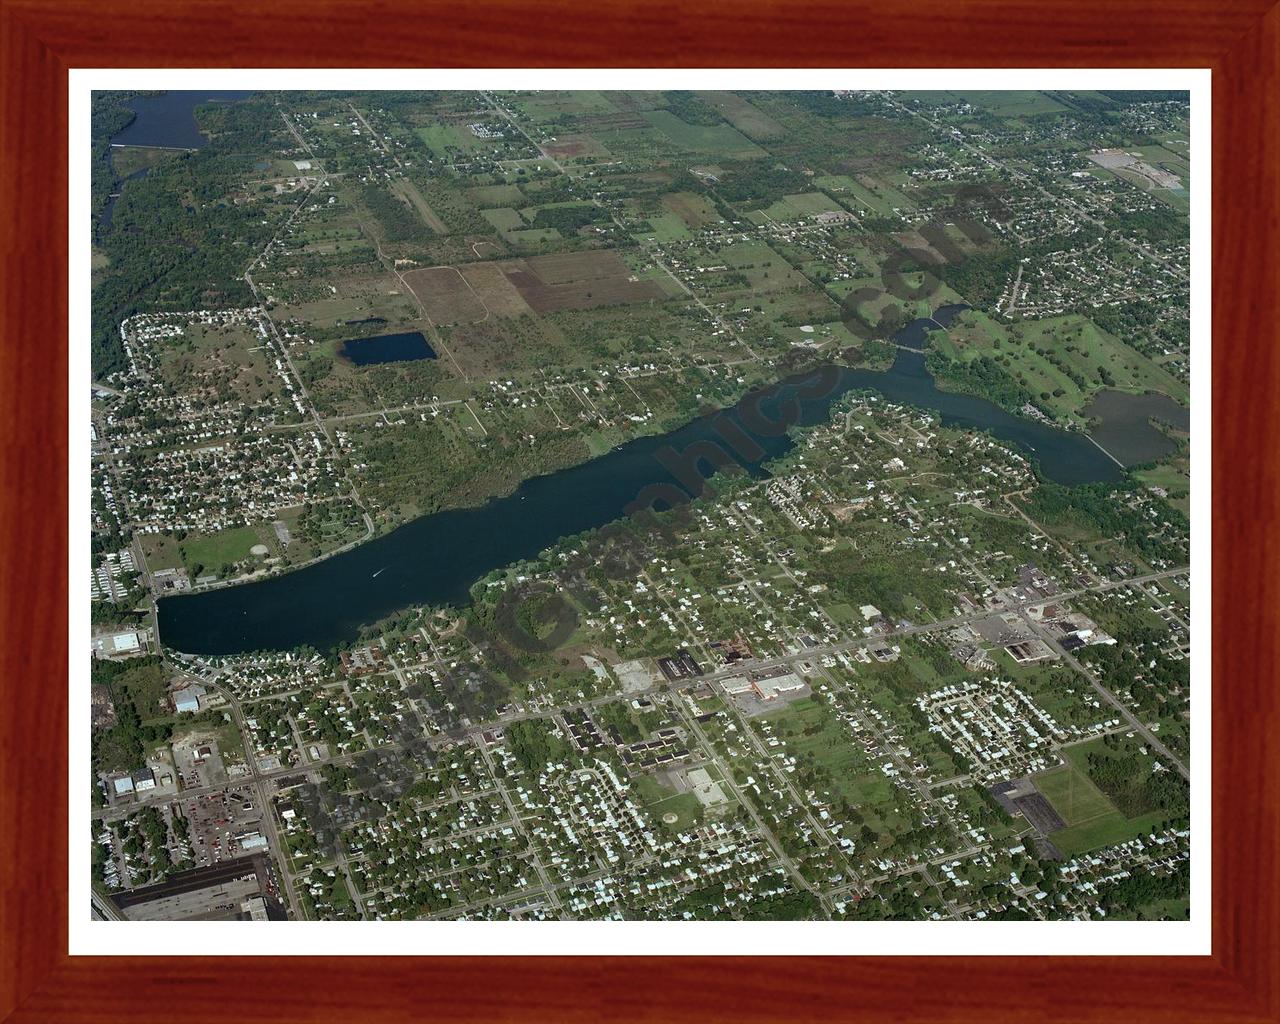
[639,506]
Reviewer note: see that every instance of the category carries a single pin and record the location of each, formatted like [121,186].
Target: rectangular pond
[406,347]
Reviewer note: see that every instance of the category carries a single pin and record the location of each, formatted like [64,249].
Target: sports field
[212,551]
[1092,820]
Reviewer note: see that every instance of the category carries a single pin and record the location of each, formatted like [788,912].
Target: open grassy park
[1092,818]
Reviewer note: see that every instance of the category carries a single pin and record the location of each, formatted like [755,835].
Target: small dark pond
[388,348]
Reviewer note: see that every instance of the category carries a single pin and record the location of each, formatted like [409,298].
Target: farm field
[694,211]
[656,381]
[1011,102]
[544,284]
[446,296]
[576,147]
[713,140]
[753,122]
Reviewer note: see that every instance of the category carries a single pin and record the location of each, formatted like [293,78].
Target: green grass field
[1073,796]
[874,307]
[532,238]
[797,208]
[504,219]
[496,195]
[440,138]
[658,800]
[1077,342]
[1173,477]
[665,227]
[1092,820]
[225,547]
[552,103]
[1010,102]
[714,140]
[1106,830]
[160,551]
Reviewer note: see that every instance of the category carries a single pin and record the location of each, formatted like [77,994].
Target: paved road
[104,909]
[1152,740]
[110,813]
[258,780]
[1064,200]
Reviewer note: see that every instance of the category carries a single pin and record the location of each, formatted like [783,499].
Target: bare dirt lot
[540,284]
[445,295]
[497,292]
[567,267]
[579,280]
[607,291]
[575,145]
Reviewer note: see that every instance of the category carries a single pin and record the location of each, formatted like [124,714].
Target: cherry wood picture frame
[41,39]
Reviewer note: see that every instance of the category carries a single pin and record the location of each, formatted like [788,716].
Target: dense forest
[136,688]
[1103,508]
[984,377]
[177,239]
[1134,788]
[399,223]
[981,276]
[108,116]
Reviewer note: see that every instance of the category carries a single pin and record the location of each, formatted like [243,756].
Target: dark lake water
[166,120]
[1124,424]
[916,333]
[169,119]
[388,348]
[436,559]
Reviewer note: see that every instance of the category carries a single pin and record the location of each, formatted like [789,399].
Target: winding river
[437,558]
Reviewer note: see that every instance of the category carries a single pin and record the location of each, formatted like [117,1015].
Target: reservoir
[436,559]
[1124,424]
[169,120]
[166,121]
[388,348]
